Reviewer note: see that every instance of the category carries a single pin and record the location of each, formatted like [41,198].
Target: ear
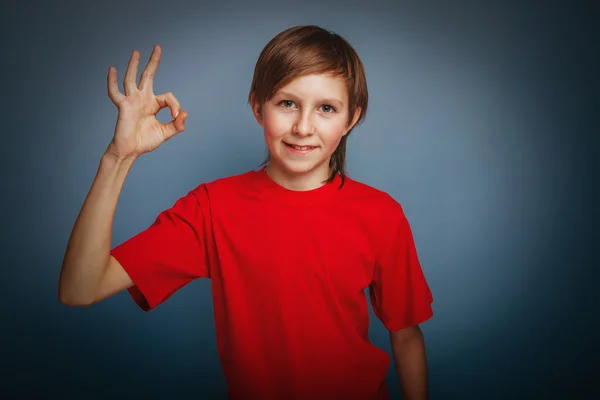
[354,120]
[256,109]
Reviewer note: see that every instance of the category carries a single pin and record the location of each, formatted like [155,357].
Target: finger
[147,78]
[130,75]
[174,127]
[169,100]
[113,87]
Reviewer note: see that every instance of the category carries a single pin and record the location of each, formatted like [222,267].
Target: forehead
[317,86]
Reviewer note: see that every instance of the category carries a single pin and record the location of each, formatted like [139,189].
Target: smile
[300,149]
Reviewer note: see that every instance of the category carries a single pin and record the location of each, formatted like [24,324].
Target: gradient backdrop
[481,123]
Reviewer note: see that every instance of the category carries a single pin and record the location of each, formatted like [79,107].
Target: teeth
[302,148]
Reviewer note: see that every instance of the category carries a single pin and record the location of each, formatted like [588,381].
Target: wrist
[118,164]
[113,156]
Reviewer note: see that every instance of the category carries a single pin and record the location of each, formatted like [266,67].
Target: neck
[301,181]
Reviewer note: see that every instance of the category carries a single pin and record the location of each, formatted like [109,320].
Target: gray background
[481,123]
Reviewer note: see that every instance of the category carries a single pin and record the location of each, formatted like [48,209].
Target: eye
[286,103]
[328,109]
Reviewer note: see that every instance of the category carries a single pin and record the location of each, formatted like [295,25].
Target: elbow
[70,299]
[72,302]
[71,291]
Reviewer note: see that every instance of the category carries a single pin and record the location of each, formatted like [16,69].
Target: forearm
[410,360]
[88,249]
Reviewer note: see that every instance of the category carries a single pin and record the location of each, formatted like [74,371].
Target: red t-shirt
[289,272]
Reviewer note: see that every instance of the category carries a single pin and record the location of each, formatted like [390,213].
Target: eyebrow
[325,100]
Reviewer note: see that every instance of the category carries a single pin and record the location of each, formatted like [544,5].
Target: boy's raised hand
[137,130]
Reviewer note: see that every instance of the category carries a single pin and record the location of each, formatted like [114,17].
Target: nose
[304,126]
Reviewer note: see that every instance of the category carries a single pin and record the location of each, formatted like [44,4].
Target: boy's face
[304,122]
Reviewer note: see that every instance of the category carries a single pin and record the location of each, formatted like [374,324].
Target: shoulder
[381,215]
[374,199]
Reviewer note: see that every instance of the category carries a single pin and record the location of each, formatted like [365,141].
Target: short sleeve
[170,253]
[399,292]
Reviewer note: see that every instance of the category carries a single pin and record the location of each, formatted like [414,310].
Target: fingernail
[176,114]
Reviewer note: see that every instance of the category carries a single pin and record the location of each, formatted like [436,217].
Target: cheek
[275,126]
[333,131]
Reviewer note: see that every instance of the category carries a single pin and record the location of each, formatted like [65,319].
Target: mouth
[300,149]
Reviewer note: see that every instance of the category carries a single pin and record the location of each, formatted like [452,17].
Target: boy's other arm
[408,349]
[89,273]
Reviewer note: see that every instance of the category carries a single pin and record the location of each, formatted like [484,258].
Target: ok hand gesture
[137,130]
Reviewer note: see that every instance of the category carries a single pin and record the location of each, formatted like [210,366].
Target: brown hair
[310,49]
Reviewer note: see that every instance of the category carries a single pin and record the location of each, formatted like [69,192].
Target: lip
[291,149]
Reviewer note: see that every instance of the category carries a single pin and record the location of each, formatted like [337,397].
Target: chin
[294,167]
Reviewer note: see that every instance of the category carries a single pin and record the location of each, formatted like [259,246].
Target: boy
[289,249]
